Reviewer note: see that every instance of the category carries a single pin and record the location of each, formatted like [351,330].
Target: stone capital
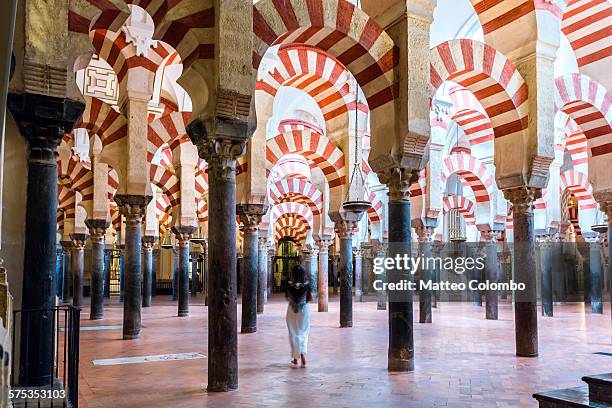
[79,241]
[262,243]
[133,207]
[323,243]
[66,245]
[606,207]
[345,228]
[148,241]
[43,121]
[97,229]
[183,234]
[250,216]
[357,253]
[398,180]
[522,198]
[424,233]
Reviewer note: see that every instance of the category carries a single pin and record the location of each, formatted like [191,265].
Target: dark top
[298,294]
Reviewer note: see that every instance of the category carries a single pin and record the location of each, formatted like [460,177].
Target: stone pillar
[323,283]
[380,252]
[525,305]
[133,208]
[253,277]
[147,269]
[270,259]
[313,271]
[489,242]
[221,154]
[262,266]
[358,255]
[194,273]
[42,121]
[183,236]
[334,272]
[424,234]
[205,271]
[607,208]
[175,271]
[344,230]
[156,258]
[401,342]
[67,271]
[78,265]
[97,232]
[546,278]
[595,266]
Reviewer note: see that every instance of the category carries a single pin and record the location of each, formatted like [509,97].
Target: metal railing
[63,371]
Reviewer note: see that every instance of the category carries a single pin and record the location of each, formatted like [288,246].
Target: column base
[146,305]
[247,330]
[381,307]
[597,307]
[260,311]
[222,388]
[488,317]
[400,365]
[346,324]
[521,354]
[96,317]
[183,313]
[322,309]
[131,336]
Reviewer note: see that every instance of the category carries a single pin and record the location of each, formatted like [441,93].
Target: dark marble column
[156,264]
[335,262]
[323,284]
[380,252]
[97,231]
[596,275]
[147,269]
[175,271]
[607,208]
[344,229]
[525,305]
[205,271]
[78,265]
[313,271]
[42,121]
[183,236]
[358,256]
[270,265]
[489,242]
[253,278]
[262,269]
[194,273]
[546,279]
[67,272]
[424,234]
[401,342]
[133,208]
[107,266]
[221,150]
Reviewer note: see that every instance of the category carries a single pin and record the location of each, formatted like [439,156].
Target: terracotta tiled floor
[462,360]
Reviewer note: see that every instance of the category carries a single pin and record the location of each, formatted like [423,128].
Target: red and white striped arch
[77,176]
[587,24]
[318,74]
[291,225]
[201,178]
[103,120]
[296,190]
[314,146]
[167,181]
[464,205]
[472,171]
[576,143]
[578,184]
[491,77]
[468,113]
[201,209]
[166,129]
[292,208]
[589,104]
[375,212]
[338,28]
[115,216]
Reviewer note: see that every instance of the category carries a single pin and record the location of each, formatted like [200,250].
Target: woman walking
[298,317]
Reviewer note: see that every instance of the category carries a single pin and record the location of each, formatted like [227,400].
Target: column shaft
[546,278]
[358,276]
[250,282]
[183,279]
[491,296]
[67,272]
[97,278]
[345,268]
[323,299]
[147,270]
[426,275]
[78,266]
[262,266]
[596,277]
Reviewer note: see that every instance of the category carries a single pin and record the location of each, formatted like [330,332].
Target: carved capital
[357,253]
[148,241]
[262,243]
[221,156]
[522,198]
[97,230]
[250,216]
[183,234]
[323,244]
[132,207]
[79,241]
[398,180]
[345,228]
[606,207]
[424,233]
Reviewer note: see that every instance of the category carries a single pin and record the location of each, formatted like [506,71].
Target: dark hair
[298,274]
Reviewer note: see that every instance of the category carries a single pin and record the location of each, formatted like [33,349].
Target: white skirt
[299,327]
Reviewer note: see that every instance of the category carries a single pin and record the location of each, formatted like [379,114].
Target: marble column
[344,230]
[525,305]
[595,266]
[380,252]
[97,232]
[489,242]
[194,273]
[133,208]
[546,278]
[78,266]
[323,281]
[253,277]
[270,259]
[334,272]
[205,271]
[262,270]
[67,271]
[401,341]
[607,208]
[366,268]
[424,234]
[156,258]
[147,269]
[183,236]
[313,271]
[221,154]
[358,256]
[42,121]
